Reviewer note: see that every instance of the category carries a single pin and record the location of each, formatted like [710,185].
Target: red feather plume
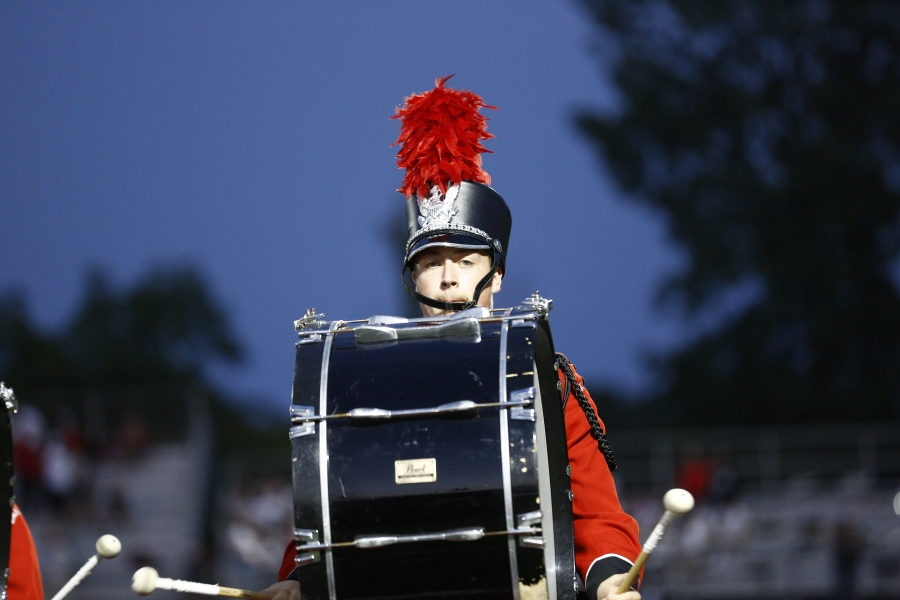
[441,133]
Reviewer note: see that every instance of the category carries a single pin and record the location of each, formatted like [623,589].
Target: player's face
[451,274]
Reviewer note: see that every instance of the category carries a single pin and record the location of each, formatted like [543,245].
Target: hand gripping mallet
[677,502]
[146,580]
[108,546]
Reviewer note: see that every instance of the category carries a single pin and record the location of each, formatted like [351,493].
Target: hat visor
[452,240]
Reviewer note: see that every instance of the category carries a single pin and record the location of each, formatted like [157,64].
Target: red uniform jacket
[24,573]
[605,536]
[602,529]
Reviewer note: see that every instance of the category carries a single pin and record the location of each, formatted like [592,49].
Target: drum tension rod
[304,414]
[455,535]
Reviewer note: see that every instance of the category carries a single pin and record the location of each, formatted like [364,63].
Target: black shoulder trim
[596,431]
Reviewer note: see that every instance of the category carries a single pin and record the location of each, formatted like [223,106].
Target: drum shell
[361,496]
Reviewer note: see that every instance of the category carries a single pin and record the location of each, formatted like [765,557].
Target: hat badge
[437,210]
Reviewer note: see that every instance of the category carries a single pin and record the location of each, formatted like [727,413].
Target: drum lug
[521,414]
[304,428]
[310,339]
[522,395]
[531,542]
[529,519]
[527,522]
[301,430]
[301,538]
[300,411]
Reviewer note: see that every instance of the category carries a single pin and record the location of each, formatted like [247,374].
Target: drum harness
[572,386]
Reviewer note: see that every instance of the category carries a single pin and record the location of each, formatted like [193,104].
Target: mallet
[146,580]
[108,546]
[677,502]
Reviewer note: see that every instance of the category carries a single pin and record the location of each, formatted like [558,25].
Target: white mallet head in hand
[108,546]
[146,579]
[677,502]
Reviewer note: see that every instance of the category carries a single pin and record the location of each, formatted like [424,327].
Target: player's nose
[449,275]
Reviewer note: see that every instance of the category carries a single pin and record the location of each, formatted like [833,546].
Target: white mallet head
[108,546]
[678,501]
[144,581]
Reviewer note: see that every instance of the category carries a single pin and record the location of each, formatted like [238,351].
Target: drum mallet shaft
[677,502]
[108,546]
[146,580]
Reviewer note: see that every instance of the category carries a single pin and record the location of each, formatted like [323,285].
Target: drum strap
[578,391]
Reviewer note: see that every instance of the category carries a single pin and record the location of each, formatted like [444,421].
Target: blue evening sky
[252,139]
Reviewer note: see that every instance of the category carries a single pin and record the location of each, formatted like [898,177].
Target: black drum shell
[363,497]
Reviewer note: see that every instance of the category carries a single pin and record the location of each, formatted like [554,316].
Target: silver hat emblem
[437,210]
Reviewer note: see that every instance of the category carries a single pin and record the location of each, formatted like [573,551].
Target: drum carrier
[430,459]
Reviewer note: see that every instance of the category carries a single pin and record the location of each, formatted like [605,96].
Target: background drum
[429,458]
[7,408]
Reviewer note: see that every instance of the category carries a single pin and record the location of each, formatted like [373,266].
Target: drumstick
[677,502]
[146,580]
[108,546]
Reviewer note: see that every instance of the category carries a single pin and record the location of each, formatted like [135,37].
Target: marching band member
[24,581]
[459,232]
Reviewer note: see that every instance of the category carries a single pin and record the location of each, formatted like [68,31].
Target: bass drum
[7,408]
[429,459]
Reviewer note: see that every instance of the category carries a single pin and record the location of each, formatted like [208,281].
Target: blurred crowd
[55,463]
[800,536]
[258,515]
[798,533]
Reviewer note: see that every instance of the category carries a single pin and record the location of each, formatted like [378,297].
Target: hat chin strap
[454,306]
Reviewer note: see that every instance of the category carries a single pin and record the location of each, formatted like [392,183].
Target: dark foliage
[140,351]
[165,328]
[767,135]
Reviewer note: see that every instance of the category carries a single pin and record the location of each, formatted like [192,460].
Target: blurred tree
[137,350]
[29,358]
[167,327]
[767,135]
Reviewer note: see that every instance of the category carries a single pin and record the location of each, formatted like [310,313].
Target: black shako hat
[449,202]
[470,215]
